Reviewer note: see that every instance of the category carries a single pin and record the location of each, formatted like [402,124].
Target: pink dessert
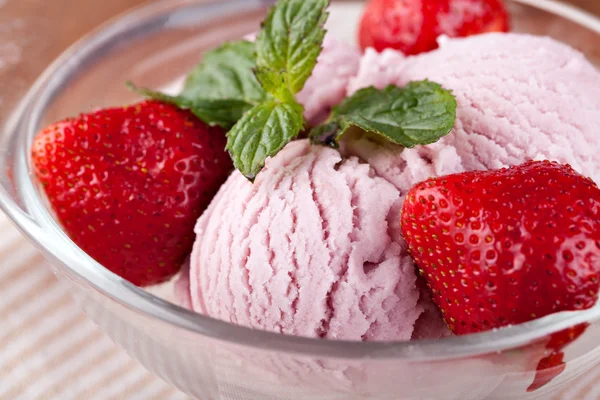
[328,84]
[331,225]
[251,275]
[304,237]
[519,97]
[306,250]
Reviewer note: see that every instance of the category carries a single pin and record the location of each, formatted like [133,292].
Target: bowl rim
[38,224]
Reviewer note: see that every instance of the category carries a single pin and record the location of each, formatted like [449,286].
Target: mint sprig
[221,112]
[263,131]
[287,49]
[420,113]
[250,88]
[226,73]
[289,44]
[221,88]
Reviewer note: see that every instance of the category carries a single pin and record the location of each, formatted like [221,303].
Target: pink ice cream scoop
[327,86]
[520,97]
[306,250]
[298,264]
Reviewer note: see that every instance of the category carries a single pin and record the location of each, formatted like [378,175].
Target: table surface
[56,362]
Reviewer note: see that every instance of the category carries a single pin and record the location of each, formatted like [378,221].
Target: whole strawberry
[504,247]
[128,184]
[413,26]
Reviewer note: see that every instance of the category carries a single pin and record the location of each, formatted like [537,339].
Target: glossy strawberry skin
[504,247]
[413,26]
[128,184]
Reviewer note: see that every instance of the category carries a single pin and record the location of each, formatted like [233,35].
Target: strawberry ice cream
[313,247]
[306,250]
[327,86]
[519,97]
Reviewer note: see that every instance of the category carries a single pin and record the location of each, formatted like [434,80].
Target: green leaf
[226,73]
[221,112]
[275,84]
[290,42]
[221,88]
[261,133]
[418,114]
[252,86]
[287,49]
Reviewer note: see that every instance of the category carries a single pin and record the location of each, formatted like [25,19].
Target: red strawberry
[504,247]
[413,26]
[128,184]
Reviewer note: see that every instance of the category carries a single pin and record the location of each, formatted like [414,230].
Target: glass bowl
[213,360]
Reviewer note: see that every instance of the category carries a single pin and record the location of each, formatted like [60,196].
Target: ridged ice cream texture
[305,250]
[313,247]
[520,97]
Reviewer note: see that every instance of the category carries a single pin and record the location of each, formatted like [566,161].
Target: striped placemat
[50,350]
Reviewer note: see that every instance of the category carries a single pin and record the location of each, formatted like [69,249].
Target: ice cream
[306,250]
[342,301]
[313,248]
[519,97]
[327,86]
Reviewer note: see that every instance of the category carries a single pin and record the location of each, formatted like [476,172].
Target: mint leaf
[420,113]
[290,43]
[287,49]
[221,112]
[274,84]
[261,133]
[221,88]
[226,73]
[252,86]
